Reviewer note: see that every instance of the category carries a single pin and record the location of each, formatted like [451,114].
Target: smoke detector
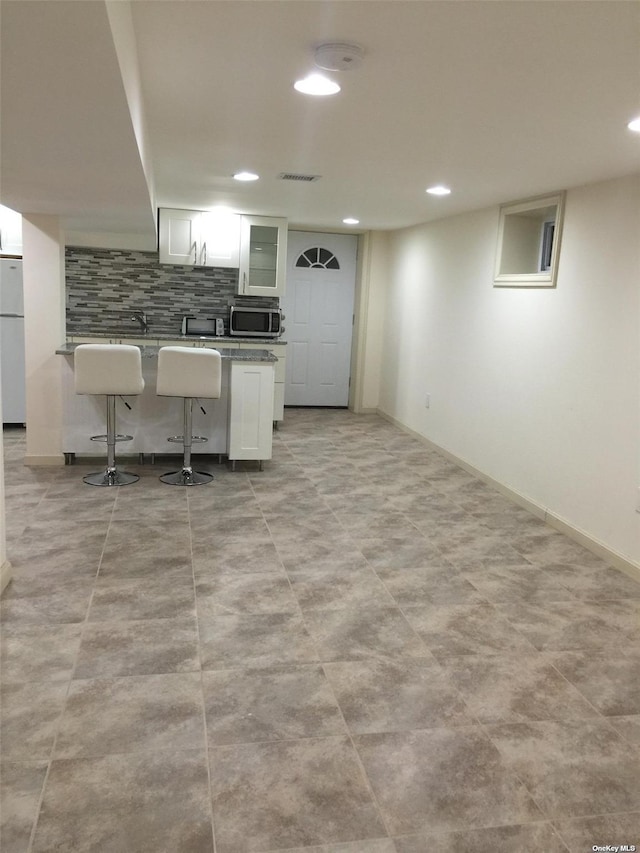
[338,56]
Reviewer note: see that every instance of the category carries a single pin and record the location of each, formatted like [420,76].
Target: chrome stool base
[187,477]
[111,477]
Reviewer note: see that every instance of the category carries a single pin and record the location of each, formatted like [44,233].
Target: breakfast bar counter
[238,424]
[151,350]
[275,345]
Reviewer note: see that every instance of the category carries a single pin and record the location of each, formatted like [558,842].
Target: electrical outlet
[427,405]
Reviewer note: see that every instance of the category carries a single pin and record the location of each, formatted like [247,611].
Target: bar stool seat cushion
[189,372]
[112,369]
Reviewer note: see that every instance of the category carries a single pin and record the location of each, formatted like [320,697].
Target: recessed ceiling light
[634,125]
[351,221]
[316,84]
[246,176]
[439,190]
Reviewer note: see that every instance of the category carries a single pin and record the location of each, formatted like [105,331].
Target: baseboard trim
[614,558]
[44,461]
[5,575]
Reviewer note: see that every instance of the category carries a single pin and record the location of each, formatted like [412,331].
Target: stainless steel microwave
[256,322]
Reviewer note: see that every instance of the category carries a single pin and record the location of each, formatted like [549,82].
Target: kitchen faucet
[141,317]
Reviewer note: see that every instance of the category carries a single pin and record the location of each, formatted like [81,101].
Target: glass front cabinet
[263,256]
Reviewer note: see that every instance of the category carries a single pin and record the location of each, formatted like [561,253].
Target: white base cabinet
[279,350]
[250,411]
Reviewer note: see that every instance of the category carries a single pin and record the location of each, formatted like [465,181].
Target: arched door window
[318,258]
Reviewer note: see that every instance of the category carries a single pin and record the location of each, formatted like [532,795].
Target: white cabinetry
[257,245]
[263,256]
[279,350]
[178,240]
[250,411]
[220,236]
[199,238]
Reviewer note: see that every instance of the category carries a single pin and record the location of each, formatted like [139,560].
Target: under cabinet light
[246,176]
[634,124]
[351,221]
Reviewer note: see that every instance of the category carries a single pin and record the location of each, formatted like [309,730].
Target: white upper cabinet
[199,238]
[220,239]
[257,245]
[263,255]
[179,236]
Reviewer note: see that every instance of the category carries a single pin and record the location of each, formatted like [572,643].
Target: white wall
[111,240]
[369,320]
[124,39]
[44,325]
[537,388]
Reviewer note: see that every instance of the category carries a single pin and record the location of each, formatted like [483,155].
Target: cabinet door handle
[195,253]
[0,239]
[244,282]
[204,253]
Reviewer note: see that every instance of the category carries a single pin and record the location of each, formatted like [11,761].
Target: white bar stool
[189,373]
[113,370]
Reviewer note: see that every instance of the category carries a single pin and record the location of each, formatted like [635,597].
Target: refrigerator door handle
[21,316]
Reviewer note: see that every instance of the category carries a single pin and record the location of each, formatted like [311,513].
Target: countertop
[227,353]
[187,338]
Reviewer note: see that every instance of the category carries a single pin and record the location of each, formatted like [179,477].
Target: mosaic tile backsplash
[105,286]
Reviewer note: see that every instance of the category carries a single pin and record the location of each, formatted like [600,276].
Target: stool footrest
[118,437]
[195,439]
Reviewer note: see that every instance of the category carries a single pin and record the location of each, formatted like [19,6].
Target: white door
[318,308]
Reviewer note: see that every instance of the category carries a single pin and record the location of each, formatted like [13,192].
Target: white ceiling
[499,100]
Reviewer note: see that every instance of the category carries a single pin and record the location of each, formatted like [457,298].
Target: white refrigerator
[12,342]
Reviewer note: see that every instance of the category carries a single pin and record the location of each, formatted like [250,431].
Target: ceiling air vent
[293,176]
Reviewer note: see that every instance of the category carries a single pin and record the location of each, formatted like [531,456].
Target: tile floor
[362,649]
